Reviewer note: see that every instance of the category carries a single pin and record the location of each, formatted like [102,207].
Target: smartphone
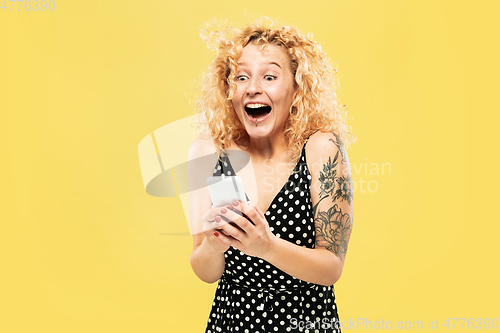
[225,190]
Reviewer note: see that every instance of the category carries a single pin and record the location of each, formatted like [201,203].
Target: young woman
[271,93]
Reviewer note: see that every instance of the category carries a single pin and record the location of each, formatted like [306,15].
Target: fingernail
[236,203]
[216,234]
[223,211]
[217,218]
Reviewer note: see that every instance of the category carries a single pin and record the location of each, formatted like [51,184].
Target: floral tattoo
[344,190]
[328,177]
[334,230]
[333,227]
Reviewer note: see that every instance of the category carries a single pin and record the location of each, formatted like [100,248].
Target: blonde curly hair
[315,104]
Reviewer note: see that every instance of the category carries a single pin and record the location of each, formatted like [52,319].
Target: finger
[249,211]
[226,239]
[234,229]
[237,212]
[217,222]
[238,208]
[256,207]
[214,211]
[240,221]
[212,216]
[210,228]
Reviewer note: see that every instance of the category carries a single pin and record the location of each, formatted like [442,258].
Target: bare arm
[318,266]
[207,259]
[208,266]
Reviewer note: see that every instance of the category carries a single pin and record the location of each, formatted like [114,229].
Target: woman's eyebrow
[274,63]
[243,64]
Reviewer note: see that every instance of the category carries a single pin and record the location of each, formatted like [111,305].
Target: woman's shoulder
[323,144]
[202,146]
[322,138]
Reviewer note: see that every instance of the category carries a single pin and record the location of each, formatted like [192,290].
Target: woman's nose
[254,87]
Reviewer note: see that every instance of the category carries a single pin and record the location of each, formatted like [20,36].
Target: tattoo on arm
[344,189]
[340,145]
[333,230]
[333,227]
[328,176]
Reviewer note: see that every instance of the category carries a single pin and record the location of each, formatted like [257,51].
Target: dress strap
[305,142]
[223,168]
[310,136]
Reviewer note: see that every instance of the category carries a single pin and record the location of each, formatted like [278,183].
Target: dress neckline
[294,171]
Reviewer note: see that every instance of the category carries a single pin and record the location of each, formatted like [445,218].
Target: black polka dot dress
[255,296]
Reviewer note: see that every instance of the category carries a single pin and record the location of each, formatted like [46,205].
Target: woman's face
[265,87]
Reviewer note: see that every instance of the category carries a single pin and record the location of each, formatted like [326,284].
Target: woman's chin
[259,131]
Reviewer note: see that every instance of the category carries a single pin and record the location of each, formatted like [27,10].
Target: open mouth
[257,111]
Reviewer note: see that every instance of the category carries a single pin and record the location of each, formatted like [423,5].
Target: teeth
[255,106]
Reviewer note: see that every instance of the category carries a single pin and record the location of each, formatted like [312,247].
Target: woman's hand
[249,233]
[212,224]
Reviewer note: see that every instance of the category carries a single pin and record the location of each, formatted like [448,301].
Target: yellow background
[84,248]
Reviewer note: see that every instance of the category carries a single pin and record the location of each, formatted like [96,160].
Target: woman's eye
[270,77]
[241,78]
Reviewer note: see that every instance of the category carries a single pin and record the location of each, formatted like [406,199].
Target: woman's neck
[262,149]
